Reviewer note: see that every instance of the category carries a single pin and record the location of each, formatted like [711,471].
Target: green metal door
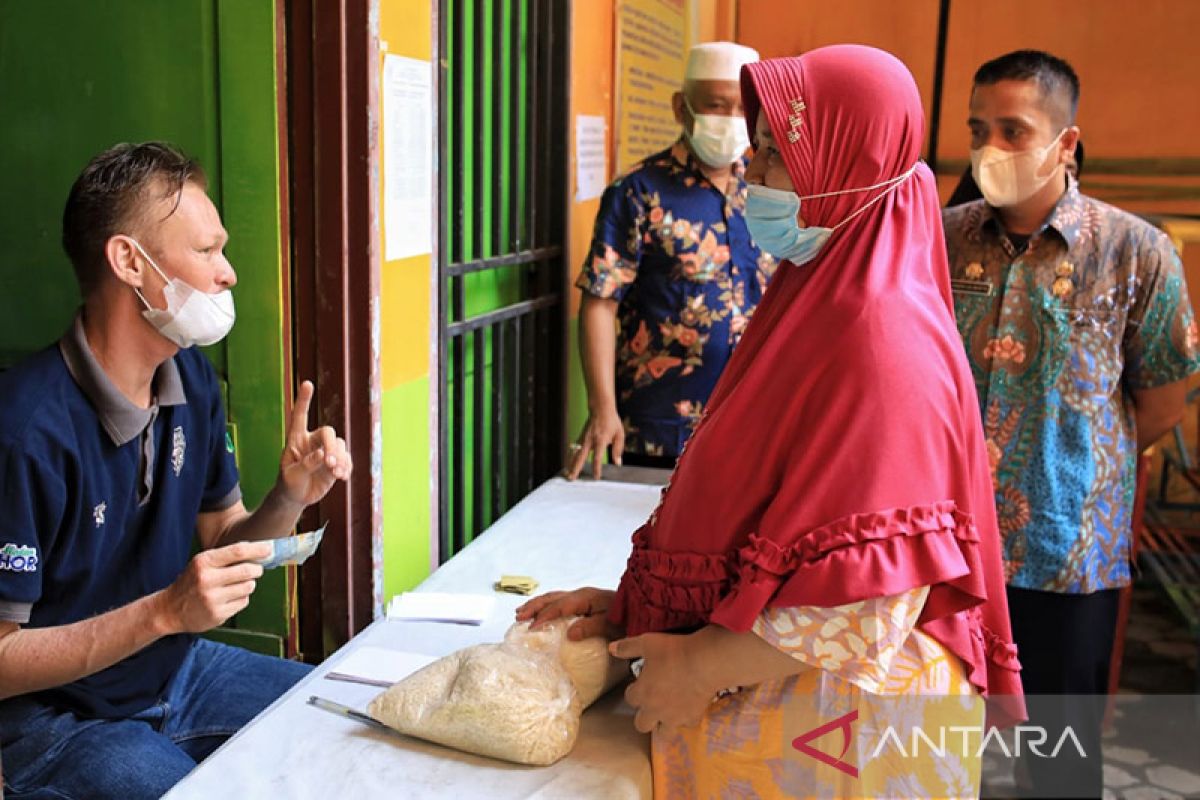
[502,157]
[77,76]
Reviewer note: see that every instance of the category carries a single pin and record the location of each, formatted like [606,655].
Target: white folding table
[565,535]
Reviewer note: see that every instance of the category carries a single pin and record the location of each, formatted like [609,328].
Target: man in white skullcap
[672,276]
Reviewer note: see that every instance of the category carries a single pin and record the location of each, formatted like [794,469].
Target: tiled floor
[1148,756]
[1160,658]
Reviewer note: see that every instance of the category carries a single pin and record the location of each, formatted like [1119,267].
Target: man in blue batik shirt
[672,276]
[1077,325]
[114,460]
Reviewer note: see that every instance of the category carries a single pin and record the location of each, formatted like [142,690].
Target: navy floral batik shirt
[675,252]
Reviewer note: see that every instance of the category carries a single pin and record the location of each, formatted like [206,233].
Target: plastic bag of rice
[519,700]
[591,669]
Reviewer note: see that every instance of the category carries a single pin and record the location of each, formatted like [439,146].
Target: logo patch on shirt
[98,513]
[228,442]
[16,558]
[178,448]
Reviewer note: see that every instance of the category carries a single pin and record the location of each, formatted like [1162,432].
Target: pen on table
[342,676]
[346,711]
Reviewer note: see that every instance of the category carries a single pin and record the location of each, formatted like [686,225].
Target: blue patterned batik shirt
[1058,336]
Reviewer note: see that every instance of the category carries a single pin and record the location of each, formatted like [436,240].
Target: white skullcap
[718,61]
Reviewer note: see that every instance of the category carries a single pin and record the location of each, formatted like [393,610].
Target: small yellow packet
[515,584]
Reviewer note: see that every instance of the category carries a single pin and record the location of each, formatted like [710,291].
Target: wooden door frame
[329,88]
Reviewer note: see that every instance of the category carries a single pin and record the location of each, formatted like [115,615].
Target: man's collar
[1068,213]
[121,419]
[682,155]
[1064,218]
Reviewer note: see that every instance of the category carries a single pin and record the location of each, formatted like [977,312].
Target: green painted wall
[577,410]
[249,160]
[77,76]
[407,484]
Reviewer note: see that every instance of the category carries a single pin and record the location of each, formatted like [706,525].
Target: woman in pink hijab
[826,558]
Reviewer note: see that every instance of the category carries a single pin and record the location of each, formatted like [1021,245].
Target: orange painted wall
[1138,62]
[713,20]
[592,64]
[404,283]
[907,28]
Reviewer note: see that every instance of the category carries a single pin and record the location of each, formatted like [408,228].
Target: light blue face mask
[771,219]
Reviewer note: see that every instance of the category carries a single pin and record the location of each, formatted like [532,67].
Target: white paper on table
[468,609]
[381,664]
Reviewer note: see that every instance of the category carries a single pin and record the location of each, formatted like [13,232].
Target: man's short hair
[1054,76]
[111,195]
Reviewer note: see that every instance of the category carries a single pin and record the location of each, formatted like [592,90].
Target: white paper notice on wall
[591,157]
[407,157]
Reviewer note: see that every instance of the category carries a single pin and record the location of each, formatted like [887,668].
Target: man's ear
[124,261]
[1066,146]
[677,105]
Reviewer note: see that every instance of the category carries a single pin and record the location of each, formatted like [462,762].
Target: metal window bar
[501,366]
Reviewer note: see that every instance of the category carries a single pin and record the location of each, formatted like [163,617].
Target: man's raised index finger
[300,408]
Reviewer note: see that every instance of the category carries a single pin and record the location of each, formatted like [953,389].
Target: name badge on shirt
[981,288]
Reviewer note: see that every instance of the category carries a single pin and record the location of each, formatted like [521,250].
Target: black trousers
[1065,643]
[640,460]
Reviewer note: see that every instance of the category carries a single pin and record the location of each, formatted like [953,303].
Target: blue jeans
[50,753]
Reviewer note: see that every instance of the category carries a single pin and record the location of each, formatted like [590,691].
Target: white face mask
[1006,178]
[716,140]
[192,317]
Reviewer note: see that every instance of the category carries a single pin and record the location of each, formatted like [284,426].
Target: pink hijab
[841,456]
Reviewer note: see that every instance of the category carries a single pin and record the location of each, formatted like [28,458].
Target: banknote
[293,549]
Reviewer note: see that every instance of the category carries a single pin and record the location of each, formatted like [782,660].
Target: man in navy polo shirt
[113,457]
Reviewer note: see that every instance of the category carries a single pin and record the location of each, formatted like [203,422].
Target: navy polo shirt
[99,499]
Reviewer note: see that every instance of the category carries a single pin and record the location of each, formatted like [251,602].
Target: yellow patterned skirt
[816,734]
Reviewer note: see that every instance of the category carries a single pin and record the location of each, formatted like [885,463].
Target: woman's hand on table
[682,674]
[670,691]
[588,603]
